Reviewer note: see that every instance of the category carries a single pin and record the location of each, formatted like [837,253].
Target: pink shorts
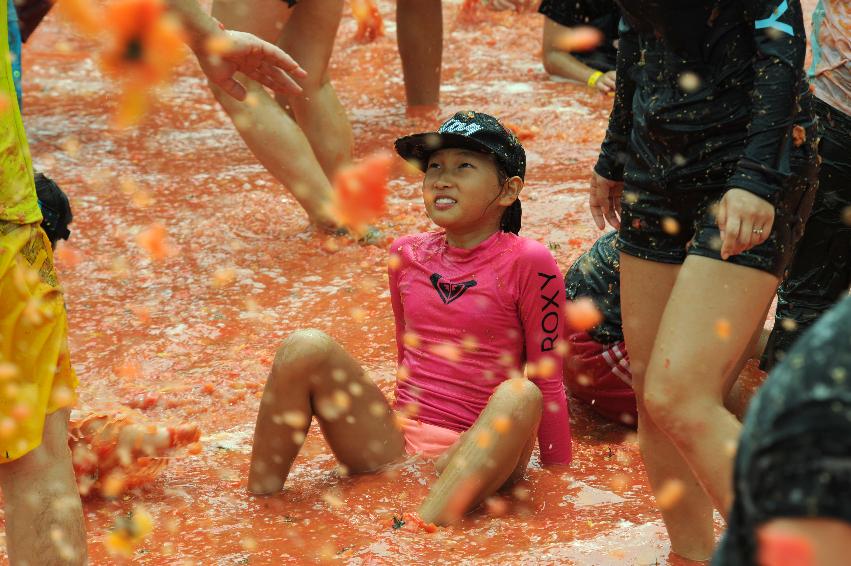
[429,440]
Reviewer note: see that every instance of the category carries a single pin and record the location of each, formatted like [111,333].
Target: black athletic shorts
[667,222]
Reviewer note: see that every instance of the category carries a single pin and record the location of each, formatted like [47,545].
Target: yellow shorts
[36,378]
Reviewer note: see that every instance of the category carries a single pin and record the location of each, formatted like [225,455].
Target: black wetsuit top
[794,455]
[596,274]
[601,14]
[708,92]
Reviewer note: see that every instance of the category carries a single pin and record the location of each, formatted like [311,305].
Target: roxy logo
[550,322]
[448,291]
[459,127]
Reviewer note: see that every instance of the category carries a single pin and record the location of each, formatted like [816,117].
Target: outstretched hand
[604,200]
[745,220]
[257,59]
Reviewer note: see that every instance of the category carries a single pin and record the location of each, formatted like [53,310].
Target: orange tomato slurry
[150,319]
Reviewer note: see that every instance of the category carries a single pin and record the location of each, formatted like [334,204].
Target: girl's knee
[515,392]
[301,351]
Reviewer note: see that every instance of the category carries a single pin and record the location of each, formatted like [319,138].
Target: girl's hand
[606,83]
[745,221]
[604,200]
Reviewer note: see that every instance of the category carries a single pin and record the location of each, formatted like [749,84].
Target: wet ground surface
[196,332]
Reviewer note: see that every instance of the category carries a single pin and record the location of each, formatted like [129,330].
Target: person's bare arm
[235,52]
[559,62]
[199,25]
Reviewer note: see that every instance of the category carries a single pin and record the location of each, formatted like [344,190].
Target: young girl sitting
[474,303]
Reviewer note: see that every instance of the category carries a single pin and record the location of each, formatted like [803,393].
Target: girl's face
[461,190]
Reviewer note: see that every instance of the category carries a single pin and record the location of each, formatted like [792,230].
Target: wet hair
[511,216]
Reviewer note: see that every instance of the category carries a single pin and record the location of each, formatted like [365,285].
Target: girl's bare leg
[707,328]
[645,289]
[313,376]
[493,453]
[309,38]
[268,130]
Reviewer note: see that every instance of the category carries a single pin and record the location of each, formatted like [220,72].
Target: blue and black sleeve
[779,82]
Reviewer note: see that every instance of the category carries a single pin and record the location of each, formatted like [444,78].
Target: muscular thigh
[263,18]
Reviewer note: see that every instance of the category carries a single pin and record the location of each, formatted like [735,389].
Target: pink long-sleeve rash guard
[468,319]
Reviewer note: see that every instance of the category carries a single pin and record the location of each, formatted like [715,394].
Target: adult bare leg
[709,321]
[44,516]
[313,376]
[309,38]
[645,289]
[494,452]
[419,33]
[271,134]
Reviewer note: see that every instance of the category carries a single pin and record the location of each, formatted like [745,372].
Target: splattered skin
[242,271]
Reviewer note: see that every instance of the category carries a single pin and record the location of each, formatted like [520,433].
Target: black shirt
[601,14]
[708,85]
[794,456]
[596,274]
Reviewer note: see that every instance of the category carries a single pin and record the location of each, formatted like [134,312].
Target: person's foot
[372,237]
[370,24]
[423,112]
[675,559]
[470,12]
[327,224]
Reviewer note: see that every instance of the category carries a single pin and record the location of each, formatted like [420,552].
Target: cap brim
[417,148]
